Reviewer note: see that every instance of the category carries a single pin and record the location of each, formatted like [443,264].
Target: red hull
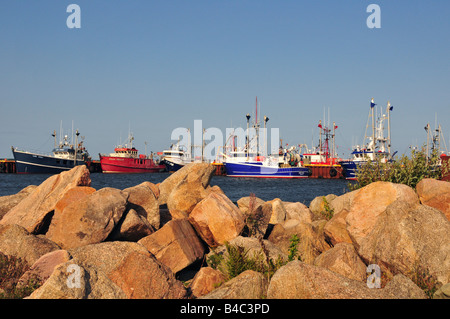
[111,164]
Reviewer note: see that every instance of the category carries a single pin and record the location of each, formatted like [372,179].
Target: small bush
[11,269]
[404,170]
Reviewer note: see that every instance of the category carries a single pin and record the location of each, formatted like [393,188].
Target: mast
[372,106]
[389,126]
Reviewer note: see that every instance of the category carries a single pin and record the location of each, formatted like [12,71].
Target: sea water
[302,190]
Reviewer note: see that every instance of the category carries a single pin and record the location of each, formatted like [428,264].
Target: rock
[33,212]
[443,292]
[253,248]
[258,219]
[278,212]
[8,202]
[343,260]
[435,194]
[405,240]
[89,220]
[343,202]
[243,204]
[143,200]
[311,243]
[206,280]
[71,281]
[132,268]
[370,202]
[216,219]
[335,230]
[401,287]
[132,227]
[73,195]
[44,267]
[197,172]
[317,206]
[297,280]
[247,285]
[298,211]
[176,245]
[184,197]
[18,242]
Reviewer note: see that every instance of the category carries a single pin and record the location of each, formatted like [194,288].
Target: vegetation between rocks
[404,170]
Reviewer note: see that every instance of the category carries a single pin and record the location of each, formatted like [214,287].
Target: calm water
[291,190]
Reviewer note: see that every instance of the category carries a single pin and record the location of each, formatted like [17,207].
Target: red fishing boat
[322,161]
[126,159]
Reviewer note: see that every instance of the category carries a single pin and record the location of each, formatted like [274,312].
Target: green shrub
[404,170]
[11,269]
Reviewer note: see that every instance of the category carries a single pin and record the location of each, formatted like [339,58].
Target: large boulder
[206,280]
[132,227]
[343,260]
[318,206]
[33,212]
[335,229]
[253,249]
[72,281]
[297,280]
[144,201]
[244,203]
[409,241]
[132,268]
[18,242]
[44,267]
[8,202]
[278,215]
[435,194]
[298,211]
[311,241]
[247,285]
[176,245]
[371,202]
[89,220]
[216,219]
[200,173]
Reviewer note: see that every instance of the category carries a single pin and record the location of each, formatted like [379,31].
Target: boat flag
[320,124]
[372,104]
[390,107]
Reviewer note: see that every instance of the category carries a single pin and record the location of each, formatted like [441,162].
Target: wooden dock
[7,166]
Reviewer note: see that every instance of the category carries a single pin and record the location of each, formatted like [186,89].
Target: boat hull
[31,163]
[125,165]
[349,169]
[171,167]
[325,171]
[259,170]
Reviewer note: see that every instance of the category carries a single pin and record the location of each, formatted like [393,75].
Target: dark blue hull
[349,169]
[29,163]
[258,170]
[171,166]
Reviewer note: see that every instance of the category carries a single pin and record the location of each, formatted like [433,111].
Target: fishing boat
[64,156]
[250,161]
[126,159]
[175,157]
[322,160]
[376,146]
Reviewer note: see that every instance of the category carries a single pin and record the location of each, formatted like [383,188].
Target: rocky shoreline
[141,241]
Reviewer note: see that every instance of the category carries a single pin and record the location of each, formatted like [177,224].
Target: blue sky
[158,65]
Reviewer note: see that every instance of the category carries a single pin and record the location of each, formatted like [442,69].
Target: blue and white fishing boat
[249,161]
[63,157]
[376,146]
[176,157]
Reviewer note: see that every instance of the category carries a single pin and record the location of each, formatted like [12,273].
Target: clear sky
[154,66]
